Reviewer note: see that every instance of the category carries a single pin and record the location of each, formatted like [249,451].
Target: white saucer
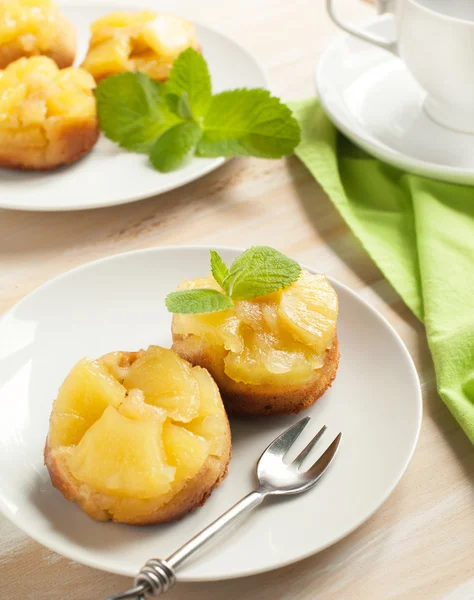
[118,303]
[108,175]
[371,97]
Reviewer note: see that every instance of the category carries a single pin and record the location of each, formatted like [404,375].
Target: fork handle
[243,507]
[158,576]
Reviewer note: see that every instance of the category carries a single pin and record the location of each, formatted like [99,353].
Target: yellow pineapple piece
[137,41]
[210,399]
[109,57]
[135,407]
[85,394]
[47,116]
[123,457]
[220,328]
[168,36]
[35,27]
[166,381]
[185,451]
[308,309]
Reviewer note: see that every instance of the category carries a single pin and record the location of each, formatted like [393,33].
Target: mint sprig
[258,271]
[133,111]
[197,301]
[218,268]
[175,121]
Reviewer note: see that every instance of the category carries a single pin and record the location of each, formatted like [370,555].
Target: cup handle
[391,46]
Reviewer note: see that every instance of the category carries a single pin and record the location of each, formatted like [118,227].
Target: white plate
[108,175]
[118,303]
[371,97]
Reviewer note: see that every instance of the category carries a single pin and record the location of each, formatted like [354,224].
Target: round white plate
[118,303]
[108,175]
[371,97]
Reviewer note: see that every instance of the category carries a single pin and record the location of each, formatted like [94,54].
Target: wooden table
[421,543]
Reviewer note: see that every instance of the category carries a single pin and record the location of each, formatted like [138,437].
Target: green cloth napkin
[419,232]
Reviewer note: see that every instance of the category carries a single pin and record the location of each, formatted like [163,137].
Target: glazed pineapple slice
[47,116]
[135,407]
[85,394]
[138,437]
[184,450]
[211,424]
[166,381]
[123,457]
[219,328]
[308,309]
[144,41]
[33,28]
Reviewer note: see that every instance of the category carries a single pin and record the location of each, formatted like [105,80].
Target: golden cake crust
[65,143]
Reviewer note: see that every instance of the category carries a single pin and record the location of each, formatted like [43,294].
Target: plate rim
[214,163]
[55,547]
[369,143]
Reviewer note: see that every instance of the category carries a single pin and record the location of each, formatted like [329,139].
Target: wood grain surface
[420,545]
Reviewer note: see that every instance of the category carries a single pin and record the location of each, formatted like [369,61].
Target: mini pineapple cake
[48,115]
[138,437]
[33,28]
[273,352]
[143,41]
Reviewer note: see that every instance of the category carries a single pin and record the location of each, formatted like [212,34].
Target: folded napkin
[419,232]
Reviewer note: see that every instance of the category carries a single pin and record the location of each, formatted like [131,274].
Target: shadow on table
[123,223]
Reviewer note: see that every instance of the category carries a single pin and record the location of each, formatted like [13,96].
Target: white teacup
[435,40]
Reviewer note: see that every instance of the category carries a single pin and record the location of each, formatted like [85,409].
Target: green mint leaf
[190,74]
[184,110]
[132,110]
[248,123]
[197,301]
[258,271]
[175,147]
[218,268]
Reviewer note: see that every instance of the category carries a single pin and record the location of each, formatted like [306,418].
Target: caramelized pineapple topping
[33,28]
[137,426]
[47,115]
[142,41]
[281,337]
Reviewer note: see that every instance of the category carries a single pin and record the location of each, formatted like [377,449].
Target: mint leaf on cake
[258,271]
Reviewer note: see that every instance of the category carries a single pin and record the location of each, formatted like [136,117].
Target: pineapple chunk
[109,57]
[167,381]
[220,328]
[308,309]
[213,428]
[138,41]
[135,407]
[185,451]
[85,394]
[123,457]
[210,399]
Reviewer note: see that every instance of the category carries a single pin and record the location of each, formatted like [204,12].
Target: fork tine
[304,453]
[280,446]
[319,467]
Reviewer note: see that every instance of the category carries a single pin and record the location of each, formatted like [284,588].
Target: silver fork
[275,478]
